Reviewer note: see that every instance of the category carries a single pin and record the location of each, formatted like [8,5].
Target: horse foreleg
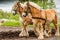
[40,26]
[35,29]
[24,32]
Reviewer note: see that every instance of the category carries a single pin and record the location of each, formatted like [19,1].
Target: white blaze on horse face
[13,11]
[23,14]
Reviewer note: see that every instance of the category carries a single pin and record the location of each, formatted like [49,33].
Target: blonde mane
[22,5]
[34,5]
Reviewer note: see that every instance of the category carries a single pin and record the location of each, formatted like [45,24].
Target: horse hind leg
[24,32]
[56,26]
[57,30]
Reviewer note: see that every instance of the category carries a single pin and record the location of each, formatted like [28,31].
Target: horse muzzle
[14,13]
[24,14]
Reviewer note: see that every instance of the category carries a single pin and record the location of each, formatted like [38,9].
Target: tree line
[45,4]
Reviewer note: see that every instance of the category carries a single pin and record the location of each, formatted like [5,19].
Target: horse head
[26,10]
[32,8]
[17,7]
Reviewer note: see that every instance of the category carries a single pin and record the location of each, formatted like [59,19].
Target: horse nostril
[13,13]
[24,15]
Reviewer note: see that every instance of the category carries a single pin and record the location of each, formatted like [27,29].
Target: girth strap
[45,21]
[38,18]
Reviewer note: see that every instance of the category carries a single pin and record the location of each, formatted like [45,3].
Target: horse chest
[21,19]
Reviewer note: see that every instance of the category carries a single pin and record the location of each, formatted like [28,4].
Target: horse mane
[34,5]
[22,5]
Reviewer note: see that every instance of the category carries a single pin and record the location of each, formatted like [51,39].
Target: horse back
[50,14]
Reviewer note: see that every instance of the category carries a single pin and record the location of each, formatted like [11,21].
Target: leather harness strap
[41,18]
[35,17]
[45,21]
[38,18]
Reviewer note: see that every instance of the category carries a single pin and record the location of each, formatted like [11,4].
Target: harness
[42,19]
[29,11]
[37,17]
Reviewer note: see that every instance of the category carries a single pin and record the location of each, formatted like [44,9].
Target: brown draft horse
[19,7]
[40,17]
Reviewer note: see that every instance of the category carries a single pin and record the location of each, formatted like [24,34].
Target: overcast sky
[7,0]
[6,5]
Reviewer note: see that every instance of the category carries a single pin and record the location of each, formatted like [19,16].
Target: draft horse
[40,17]
[18,7]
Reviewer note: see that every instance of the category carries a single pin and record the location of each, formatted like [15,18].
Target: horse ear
[18,2]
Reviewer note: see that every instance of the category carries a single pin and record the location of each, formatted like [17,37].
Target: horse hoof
[23,35]
[57,35]
[20,35]
[41,37]
[47,35]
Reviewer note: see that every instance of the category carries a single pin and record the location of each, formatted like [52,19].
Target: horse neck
[35,12]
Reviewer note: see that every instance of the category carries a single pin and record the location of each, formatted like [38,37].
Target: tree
[43,3]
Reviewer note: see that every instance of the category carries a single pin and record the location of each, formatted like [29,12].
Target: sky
[6,5]
[57,3]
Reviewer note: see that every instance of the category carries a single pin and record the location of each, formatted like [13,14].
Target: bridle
[28,10]
[18,4]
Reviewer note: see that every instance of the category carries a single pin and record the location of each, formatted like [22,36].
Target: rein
[18,7]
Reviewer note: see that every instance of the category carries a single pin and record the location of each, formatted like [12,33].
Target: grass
[53,25]
[17,23]
[10,23]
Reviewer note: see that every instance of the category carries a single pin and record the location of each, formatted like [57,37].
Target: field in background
[17,23]
[11,20]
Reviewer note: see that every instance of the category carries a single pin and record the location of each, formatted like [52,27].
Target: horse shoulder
[43,14]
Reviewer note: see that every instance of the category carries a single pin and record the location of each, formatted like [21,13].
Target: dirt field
[12,33]
[30,38]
